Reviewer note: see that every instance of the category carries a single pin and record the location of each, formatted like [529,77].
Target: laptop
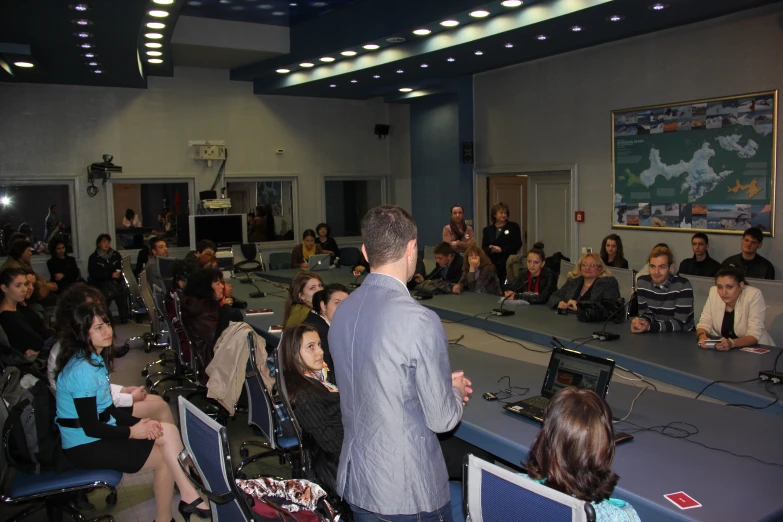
[318,262]
[566,368]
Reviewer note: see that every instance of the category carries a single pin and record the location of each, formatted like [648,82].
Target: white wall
[556,111]
[57,131]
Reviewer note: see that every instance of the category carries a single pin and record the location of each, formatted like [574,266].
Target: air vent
[395,39]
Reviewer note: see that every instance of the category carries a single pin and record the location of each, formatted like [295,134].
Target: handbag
[294,500]
[606,309]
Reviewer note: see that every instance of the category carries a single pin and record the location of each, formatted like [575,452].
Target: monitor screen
[569,368]
[223,229]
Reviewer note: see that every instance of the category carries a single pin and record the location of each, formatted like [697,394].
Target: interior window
[39,212]
[143,210]
[348,200]
[276,199]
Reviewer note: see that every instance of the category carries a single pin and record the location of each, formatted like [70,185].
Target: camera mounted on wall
[101,171]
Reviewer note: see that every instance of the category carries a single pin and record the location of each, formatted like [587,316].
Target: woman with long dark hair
[325,303]
[478,274]
[612,252]
[300,296]
[24,336]
[62,267]
[302,252]
[457,233]
[537,283]
[574,450]
[96,434]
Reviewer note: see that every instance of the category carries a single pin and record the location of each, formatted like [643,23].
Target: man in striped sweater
[665,299]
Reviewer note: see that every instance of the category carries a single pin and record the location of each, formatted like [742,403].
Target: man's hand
[115,275]
[509,294]
[303,265]
[57,277]
[52,286]
[418,278]
[462,383]
[30,353]
[495,249]
[639,325]
[456,289]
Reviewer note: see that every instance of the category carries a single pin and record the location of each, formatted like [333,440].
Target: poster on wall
[705,165]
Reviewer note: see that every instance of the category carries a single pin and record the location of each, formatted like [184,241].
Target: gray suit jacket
[392,366]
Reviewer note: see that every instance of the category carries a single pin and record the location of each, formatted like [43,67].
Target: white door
[549,211]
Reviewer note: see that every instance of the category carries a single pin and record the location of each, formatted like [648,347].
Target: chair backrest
[701,290]
[149,303]
[565,268]
[625,280]
[279,261]
[495,494]
[206,443]
[193,363]
[349,256]
[514,266]
[130,279]
[773,297]
[260,410]
[283,390]
[159,296]
[429,259]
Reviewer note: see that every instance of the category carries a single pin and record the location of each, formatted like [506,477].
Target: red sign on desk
[579,216]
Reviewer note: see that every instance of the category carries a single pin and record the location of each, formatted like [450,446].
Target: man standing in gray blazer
[397,390]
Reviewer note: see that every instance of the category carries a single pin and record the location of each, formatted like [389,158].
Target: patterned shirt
[668,307]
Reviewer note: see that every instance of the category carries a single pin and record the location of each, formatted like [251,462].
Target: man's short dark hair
[443,249]
[101,237]
[701,235]
[154,240]
[755,233]
[386,231]
[52,207]
[17,248]
[205,244]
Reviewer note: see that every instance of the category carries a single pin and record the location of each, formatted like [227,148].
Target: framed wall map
[704,165]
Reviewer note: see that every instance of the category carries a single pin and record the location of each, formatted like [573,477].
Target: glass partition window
[348,200]
[39,212]
[142,210]
[274,220]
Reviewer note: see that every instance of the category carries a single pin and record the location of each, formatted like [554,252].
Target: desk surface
[673,358]
[730,488]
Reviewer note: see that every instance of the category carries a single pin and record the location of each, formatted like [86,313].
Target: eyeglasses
[588,265]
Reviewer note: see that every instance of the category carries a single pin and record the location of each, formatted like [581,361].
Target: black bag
[30,434]
[607,309]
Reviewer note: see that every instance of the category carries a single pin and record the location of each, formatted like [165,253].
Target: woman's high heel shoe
[190,509]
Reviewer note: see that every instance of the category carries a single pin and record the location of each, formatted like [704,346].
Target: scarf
[322,377]
[105,256]
[458,231]
[307,253]
[530,282]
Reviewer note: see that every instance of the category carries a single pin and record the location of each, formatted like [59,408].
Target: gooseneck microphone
[423,296]
[356,283]
[500,311]
[602,334]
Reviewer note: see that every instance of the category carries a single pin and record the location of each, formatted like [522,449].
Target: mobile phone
[357,273]
[711,343]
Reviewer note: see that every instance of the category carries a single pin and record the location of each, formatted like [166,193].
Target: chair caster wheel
[241,476]
[144,373]
[111,499]
[148,348]
[148,383]
[244,453]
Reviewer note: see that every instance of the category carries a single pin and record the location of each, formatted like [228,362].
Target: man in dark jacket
[447,272]
[701,264]
[105,270]
[748,261]
[62,267]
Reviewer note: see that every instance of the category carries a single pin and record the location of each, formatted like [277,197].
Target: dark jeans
[119,293]
[439,515]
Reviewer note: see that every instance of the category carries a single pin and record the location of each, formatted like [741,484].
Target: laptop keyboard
[539,402]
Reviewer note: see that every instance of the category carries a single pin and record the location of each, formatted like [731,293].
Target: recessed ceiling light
[159,14]
[449,23]
[354,81]
[265,6]
[83,34]
[163,2]
[238,8]
[89,55]
[326,59]
[293,4]
[283,71]
[509,45]
[155,60]
[424,65]
[479,13]
[156,25]
[348,53]
[154,53]
[400,71]
[405,89]
[225,1]
[25,65]
[479,53]
[97,71]
[278,13]
[511,3]
[92,64]
[333,85]
[541,37]
[82,21]
[576,28]
[86,45]
[658,7]
[449,59]
[319,4]
[376,76]
[154,36]
[154,45]
[80,7]
[194,3]
[371,47]
[421,32]
[306,64]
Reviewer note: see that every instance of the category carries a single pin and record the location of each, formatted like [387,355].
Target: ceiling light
[422,32]
[83,35]
[658,7]
[265,6]
[511,3]
[306,64]
[576,28]
[405,89]
[348,53]
[80,7]
[479,14]
[283,71]
[449,23]
[82,21]
[319,4]
[97,71]
[333,85]
[154,45]
[354,81]
[239,8]
[86,45]
[155,60]
[159,14]
[225,1]
[509,45]
[278,13]
[479,53]
[92,64]
[163,2]
[615,18]
[89,55]
[292,4]
[326,59]
[400,71]
[541,37]
[156,25]
[449,59]
[154,53]
[195,3]
[376,76]
[371,47]
[424,65]
[154,36]
[25,65]
[5,200]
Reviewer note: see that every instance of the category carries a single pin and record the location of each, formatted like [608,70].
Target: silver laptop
[318,262]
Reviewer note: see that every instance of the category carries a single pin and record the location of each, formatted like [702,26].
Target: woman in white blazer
[734,313]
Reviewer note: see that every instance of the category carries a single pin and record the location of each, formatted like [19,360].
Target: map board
[705,165]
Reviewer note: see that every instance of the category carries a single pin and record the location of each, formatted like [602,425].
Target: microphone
[602,334]
[253,295]
[421,296]
[355,283]
[505,313]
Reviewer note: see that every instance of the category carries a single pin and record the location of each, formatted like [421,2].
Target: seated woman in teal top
[574,450]
[96,434]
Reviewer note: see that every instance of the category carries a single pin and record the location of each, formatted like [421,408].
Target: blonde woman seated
[589,281]
[734,313]
[478,274]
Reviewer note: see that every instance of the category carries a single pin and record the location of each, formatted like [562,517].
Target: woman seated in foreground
[300,296]
[574,450]
[478,274]
[734,313]
[96,434]
[25,331]
[537,283]
[589,281]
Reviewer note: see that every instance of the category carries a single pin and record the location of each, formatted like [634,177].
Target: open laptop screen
[571,368]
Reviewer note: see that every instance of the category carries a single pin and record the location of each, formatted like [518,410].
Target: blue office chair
[261,416]
[494,494]
[349,256]
[53,491]
[207,450]
[279,261]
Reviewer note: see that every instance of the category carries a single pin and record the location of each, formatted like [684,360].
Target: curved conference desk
[729,487]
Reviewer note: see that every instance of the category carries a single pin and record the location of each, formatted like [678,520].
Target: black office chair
[350,256]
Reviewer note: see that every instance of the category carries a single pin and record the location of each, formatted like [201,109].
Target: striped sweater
[667,307]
